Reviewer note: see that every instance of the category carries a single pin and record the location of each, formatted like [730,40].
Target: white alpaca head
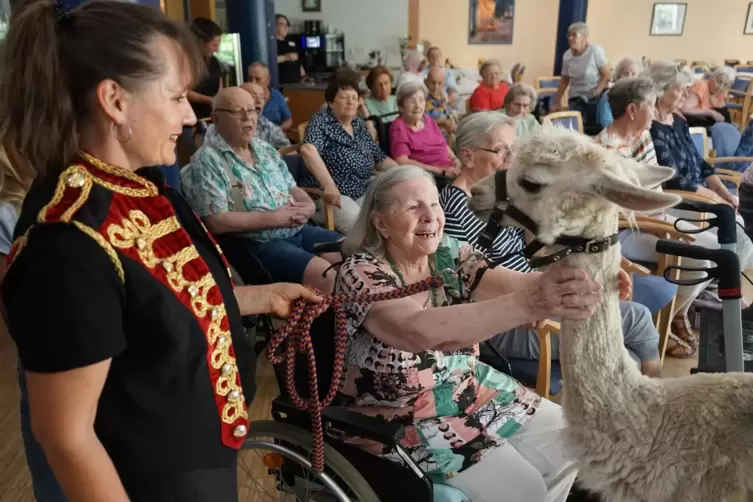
[569,185]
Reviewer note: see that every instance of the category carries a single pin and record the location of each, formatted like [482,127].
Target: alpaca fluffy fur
[638,439]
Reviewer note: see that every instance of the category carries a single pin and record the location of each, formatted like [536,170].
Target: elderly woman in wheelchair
[414,361]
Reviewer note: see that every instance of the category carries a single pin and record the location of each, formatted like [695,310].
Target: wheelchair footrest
[338,420]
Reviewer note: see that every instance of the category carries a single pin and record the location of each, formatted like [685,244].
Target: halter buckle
[597,245]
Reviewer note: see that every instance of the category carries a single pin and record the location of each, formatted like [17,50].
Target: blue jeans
[45,485]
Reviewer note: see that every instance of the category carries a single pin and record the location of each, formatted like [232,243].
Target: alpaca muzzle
[572,244]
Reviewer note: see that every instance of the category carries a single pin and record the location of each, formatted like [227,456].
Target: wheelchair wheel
[274,465]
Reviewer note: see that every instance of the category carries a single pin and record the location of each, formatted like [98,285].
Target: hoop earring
[116,127]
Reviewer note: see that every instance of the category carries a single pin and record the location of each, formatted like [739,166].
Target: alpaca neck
[594,362]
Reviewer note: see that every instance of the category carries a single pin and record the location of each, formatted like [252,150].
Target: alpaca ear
[646,176]
[632,197]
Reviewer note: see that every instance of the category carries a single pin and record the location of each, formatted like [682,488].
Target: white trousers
[345,215]
[532,466]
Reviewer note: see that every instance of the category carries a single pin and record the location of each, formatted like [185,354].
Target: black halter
[573,244]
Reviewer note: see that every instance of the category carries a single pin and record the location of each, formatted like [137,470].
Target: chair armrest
[544,376]
[634,268]
[287,150]
[658,228]
[691,196]
[329,211]
[339,420]
[718,160]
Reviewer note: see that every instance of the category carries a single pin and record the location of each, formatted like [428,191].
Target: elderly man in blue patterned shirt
[241,188]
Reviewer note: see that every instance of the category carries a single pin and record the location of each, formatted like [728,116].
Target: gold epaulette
[71,193]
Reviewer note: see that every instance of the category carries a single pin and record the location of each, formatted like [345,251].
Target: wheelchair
[281,449]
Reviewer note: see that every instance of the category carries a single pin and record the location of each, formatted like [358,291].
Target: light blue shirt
[604,111]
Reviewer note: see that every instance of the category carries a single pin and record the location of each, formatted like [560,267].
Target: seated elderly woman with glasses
[706,103]
[415,360]
[518,103]
[483,145]
[339,151]
[415,139]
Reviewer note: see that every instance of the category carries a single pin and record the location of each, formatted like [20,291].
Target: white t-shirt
[583,70]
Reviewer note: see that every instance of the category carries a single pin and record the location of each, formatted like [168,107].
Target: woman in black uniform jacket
[119,302]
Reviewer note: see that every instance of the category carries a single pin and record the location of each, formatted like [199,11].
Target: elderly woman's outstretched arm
[406,325]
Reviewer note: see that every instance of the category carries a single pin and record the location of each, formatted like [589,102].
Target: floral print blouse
[455,409]
[675,148]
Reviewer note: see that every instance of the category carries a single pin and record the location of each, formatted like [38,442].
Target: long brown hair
[53,61]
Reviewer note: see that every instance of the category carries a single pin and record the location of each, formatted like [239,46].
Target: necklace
[430,301]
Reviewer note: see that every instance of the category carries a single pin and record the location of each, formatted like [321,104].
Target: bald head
[258,92]
[232,97]
[435,81]
[234,115]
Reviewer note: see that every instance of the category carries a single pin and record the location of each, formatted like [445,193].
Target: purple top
[427,146]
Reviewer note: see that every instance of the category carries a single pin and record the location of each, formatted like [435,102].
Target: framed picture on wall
[311,5]
[748,30]
[491,21]
[668,19]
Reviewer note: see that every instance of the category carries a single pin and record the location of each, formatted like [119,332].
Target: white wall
[368,25]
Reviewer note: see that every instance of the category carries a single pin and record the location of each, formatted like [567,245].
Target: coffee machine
[320,52]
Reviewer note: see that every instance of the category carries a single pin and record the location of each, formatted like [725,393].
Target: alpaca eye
[530,186]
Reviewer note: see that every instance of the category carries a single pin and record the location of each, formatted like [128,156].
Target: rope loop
[296,338]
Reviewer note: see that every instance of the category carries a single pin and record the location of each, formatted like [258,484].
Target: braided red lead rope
[296,332]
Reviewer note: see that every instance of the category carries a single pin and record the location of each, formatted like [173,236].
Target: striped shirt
[641,150]
[462,224]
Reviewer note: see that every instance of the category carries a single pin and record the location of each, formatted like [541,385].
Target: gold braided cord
[19,244]
[105,245]
[83,196]
[149,189]
[137,231]
[56,198]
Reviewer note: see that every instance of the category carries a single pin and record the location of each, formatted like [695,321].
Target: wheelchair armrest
[338,419]
[328,247]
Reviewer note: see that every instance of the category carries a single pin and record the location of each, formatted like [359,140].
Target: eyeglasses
[503,152]
[238,113]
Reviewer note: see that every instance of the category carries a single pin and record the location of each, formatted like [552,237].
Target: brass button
[240,431]
[215,313]
[193,290]
[75,179]
[227,368]
[221,340]
[168,266]
[140,243]
[233,396]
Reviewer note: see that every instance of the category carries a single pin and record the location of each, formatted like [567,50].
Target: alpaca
[638,439]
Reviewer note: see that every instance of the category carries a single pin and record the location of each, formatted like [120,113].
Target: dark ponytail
[37,114]
[54,60]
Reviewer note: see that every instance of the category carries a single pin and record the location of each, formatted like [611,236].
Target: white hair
[473,128]
[520,89]
[623,65]
[724,76]
[408,89]
[666,74]
[364,236]
[578,28]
